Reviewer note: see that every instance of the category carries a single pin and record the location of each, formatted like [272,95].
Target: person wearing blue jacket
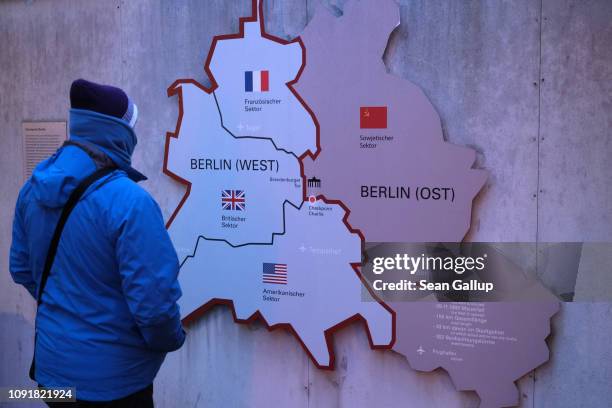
[108,312]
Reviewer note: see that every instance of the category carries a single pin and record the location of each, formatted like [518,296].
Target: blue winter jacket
[109,311]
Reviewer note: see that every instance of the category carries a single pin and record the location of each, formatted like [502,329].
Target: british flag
[233,200]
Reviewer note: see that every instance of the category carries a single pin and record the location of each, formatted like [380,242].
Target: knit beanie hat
[105,99]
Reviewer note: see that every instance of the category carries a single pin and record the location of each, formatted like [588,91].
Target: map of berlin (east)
[298,152]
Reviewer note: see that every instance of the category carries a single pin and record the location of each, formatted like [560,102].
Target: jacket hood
[55,178]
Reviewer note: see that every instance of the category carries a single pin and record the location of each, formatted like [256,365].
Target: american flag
[275,273]
[233,200]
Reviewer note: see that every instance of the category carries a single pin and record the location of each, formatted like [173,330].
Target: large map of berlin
[298,152]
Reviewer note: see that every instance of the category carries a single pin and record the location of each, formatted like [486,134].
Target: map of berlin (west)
[238,217]
[298,152]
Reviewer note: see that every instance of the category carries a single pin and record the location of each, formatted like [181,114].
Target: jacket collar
[112,135]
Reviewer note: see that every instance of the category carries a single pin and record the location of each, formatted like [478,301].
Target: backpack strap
[74,198]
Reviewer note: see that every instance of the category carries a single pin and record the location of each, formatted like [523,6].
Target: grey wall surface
[528,84]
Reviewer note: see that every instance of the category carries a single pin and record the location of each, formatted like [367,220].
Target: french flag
[256,81]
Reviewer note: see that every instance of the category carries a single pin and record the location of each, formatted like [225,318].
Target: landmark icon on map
[314,182]
[233,200]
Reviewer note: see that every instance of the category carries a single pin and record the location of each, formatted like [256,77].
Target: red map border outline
[174,89]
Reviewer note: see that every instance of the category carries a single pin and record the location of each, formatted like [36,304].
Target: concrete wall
[528,84]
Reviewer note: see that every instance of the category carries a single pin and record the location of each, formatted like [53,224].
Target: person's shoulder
[119,180]
[123,191]
[121,202]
